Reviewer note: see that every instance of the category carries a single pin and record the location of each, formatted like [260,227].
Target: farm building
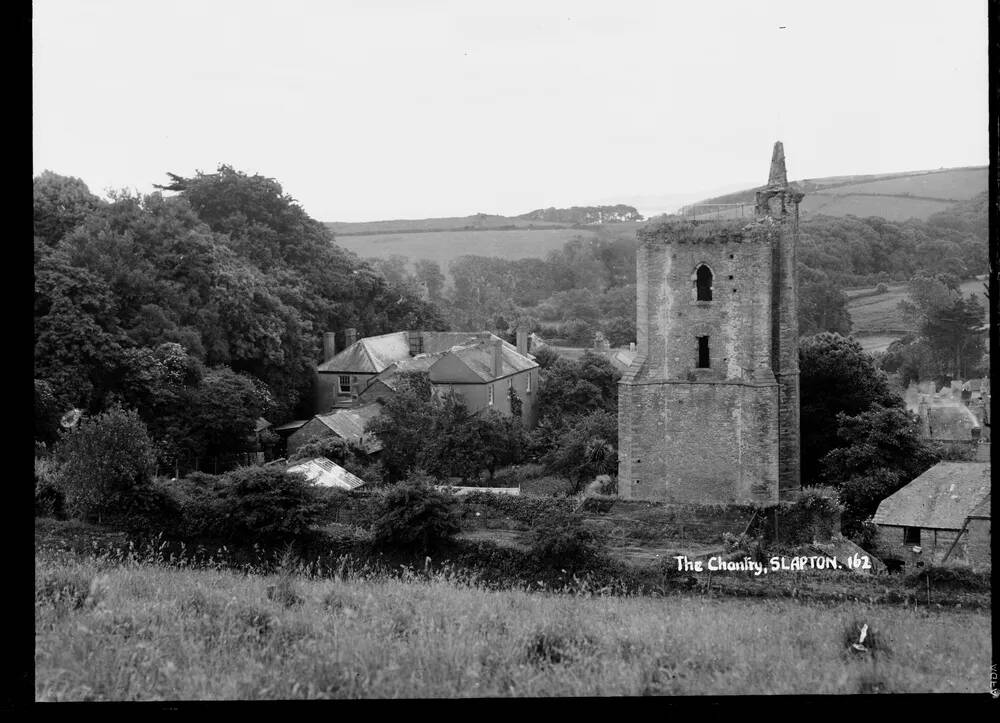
[347,424]
[324,473]
[928,520]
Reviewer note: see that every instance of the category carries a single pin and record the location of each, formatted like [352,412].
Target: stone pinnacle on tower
[778,176]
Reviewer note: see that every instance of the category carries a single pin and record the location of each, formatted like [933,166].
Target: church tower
[709,409]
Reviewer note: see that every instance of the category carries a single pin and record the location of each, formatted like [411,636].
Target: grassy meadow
[129,630]
[445,246]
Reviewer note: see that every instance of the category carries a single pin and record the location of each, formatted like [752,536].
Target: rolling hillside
[895,197]
[876,320]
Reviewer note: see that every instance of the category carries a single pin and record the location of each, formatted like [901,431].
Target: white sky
[378,110]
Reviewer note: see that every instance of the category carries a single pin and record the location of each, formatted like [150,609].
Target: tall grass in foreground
[133,631]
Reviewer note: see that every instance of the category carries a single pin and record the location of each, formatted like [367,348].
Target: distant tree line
[589,284]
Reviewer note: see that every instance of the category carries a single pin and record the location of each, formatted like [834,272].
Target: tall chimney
[350,336]
[329,345]
[497,357]
[416,342]
[522,340]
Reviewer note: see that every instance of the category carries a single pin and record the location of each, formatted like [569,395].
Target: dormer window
[703,282]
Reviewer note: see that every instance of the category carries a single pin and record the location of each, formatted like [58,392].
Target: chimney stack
[522,340]
[350,336]
[416,342]
[329,345]
[497,357]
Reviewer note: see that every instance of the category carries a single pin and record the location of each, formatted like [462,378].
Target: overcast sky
[377,110]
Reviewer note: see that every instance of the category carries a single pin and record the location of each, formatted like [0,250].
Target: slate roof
[982,510]
[349,424]
[479,358]
[419,363]
[321,471]
[369,355]
[373,354]
[941,498]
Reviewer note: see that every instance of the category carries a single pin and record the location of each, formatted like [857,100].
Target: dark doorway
[703,361]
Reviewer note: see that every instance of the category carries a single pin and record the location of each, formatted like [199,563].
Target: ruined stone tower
[709,409]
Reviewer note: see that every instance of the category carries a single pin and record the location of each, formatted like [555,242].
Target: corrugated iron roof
[321,471]
[261,424]
[293,425]
[349,425]
[940,498]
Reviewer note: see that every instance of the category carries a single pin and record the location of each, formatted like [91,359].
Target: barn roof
[324,473]
[349,424]
[941,498]
[982,510]
[291,426]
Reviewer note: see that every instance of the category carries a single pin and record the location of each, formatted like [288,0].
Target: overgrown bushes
[101,462]
[562,540]
[415,516]
[531,511]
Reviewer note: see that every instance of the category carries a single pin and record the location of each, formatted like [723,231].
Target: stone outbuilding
[346,424]
[941,516]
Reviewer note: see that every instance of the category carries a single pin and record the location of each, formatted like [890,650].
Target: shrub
[881,289]
[103,460]
[413,515]
[564,541]
[952,578]
[268,504]
[49,500]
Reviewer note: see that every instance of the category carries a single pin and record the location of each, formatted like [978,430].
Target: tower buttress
[780,203]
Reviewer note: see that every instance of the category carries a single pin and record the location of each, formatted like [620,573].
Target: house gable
[450,369]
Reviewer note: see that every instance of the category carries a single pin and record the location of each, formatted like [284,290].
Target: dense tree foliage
[948,340]
[584,447]
[230,273]
[836,376]
[880,451]
[571,388]
[441,436]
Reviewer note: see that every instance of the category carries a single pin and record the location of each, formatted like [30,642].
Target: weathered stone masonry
[722,428]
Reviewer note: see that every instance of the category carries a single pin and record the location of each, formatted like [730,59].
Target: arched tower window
[703,281]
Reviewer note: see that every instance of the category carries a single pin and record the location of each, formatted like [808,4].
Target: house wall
[476,396]
[328,394]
